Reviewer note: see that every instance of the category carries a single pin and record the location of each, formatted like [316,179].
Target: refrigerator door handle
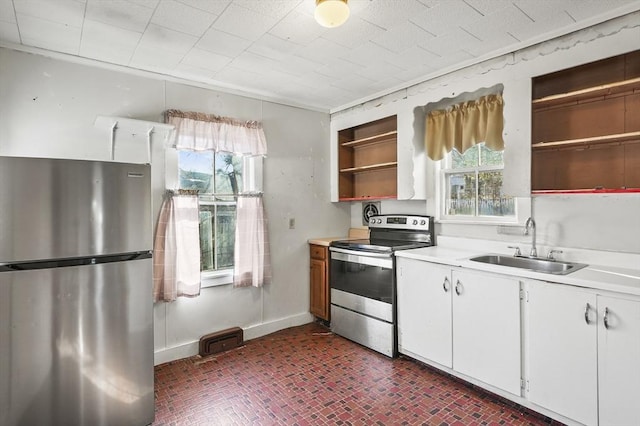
[75,261]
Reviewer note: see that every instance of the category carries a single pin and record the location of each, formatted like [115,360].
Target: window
[217,177]
[472,185]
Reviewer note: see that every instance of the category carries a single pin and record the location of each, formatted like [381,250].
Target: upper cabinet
[586,128]
[368,160]
[377,154]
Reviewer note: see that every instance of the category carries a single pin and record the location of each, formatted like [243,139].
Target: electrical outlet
[292,223]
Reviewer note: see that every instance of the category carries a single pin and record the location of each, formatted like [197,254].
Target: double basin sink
[530,263]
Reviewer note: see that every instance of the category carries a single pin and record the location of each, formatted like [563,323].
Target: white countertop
[611,277]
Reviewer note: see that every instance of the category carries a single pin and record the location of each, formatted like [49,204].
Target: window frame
[443,170]
[251,182]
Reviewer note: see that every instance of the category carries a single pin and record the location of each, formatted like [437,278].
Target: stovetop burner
[389,233]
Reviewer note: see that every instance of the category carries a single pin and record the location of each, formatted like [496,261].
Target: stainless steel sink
[533,264]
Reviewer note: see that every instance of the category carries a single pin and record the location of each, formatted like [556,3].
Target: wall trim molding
[189,349]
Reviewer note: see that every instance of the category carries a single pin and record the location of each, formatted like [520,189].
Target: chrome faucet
[531,224]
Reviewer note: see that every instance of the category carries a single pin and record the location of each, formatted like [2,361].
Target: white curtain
[206,132]
[465,125]
[176,260]
[252,266]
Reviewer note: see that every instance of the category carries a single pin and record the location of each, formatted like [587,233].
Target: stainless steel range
[362,279]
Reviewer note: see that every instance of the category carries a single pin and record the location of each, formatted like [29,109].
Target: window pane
[196,170]
[228,173]
[469,159]
[226,235]
[461,194]
[489,157]
[491,200]
[207,237]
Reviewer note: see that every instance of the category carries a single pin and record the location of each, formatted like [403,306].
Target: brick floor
[308,376]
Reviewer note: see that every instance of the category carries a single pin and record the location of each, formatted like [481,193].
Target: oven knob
[415,222]
[379,221]
[423,222]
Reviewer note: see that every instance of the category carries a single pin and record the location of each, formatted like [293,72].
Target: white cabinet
[618,361]
[562,351]
[583,354]
[464,320]
[486,328]
[424,310]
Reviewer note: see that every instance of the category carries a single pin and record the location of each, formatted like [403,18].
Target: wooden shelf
[369,198]
[370,168]
[622,137]
[372,139]
[591,92]
[585,191]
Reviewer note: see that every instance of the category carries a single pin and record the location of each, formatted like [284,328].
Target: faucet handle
[550,255]
[517,249]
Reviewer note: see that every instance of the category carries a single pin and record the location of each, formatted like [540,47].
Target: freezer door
[76,345]
[53,209]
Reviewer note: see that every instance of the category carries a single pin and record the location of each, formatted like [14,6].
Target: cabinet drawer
[318,252]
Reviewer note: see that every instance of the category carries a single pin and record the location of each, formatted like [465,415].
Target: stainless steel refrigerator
[76,312]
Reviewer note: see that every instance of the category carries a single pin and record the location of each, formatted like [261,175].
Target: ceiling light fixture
[331,13]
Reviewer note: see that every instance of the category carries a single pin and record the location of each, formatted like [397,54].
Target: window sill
[477,221]
[216,278]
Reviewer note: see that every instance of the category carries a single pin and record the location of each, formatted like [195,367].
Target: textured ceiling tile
[163,38]
[180,17]
[366,53]
[7,13]
[487,7]
[414,57]
[50,35]
[545,19]
[223,43]
[122,14]
[446,16]
[354,32]
[243,22]
[151,4]
[155,59]
[387,13]
[275,8]
[206,60]
[190,72]
[296,65]
[322,50]
[9,32]
[251,62]
[239,77]
[354,83]
[458,39]
[120,48]
[402,37]
[298,27]
[338,67]
[496,24]
[583,9]
[273,47]
[379,71]
[67,12]
[212,6]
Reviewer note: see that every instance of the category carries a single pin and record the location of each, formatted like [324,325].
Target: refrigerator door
[77,345]
[51,209]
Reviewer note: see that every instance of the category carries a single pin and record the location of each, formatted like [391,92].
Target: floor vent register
[221,341]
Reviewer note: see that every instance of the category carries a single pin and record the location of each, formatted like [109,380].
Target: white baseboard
[250,332]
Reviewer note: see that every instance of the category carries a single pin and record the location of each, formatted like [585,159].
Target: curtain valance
[197,131]
[465,125]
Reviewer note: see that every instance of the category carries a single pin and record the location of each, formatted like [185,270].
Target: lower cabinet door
[619,361]
[486,328]
[424,310]
[562,350]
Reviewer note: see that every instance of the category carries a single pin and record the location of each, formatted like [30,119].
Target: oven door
[362,273]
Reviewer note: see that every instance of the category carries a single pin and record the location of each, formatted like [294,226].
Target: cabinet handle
[458,287]
[586,313]
[606,318]
[445,284]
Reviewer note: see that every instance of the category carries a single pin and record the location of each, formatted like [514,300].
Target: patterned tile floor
[308,376]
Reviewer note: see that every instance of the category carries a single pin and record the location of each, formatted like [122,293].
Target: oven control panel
[409,222]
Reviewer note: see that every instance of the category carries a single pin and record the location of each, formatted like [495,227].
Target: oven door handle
[361,253]
[365,258]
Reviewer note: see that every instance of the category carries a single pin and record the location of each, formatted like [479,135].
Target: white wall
[590,221]
[48,108]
